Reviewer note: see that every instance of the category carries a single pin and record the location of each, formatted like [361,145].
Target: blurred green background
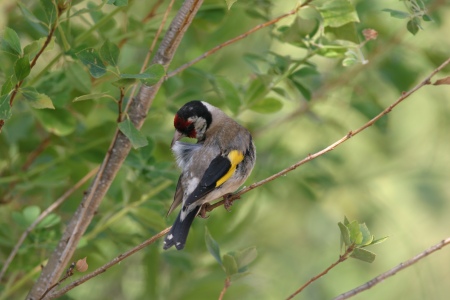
[394,176]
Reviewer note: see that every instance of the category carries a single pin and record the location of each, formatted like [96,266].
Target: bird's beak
[176,137]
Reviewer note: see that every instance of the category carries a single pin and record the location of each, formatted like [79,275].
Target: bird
[214,167]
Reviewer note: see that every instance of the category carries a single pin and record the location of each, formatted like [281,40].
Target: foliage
[68,69]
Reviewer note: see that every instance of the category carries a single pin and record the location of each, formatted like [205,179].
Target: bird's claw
[204,210]
[228,201]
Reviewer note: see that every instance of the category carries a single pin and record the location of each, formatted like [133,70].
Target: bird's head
[192,120]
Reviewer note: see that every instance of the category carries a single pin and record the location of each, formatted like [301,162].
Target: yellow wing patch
[235,158]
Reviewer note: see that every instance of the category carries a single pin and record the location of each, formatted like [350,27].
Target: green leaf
[427,18]
[136,138]
[245,257]
[59,122]
[124,82]
[213,246]
[397,13]
[345,234]
[79,78]
[50,11]
[91,96]
[227,92]
[349,61]
[337,13]
[302,89]
[5,108]
[118,2]
[10,42]
[378,241]
[355,233]
[412,26]
[230,3]
[155,72]
[346,221]
[345,32]
[367,238]
[109,52]
[267,105]
[363,254]
[36,99]
[229,265]
[49,221]
[31,213]
[28,14]
[91,59]
[257,90]
[22,68]
[7,86]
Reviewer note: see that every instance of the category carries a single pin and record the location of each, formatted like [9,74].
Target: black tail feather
[178,234]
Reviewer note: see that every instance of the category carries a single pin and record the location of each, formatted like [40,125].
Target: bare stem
[226,285]
[393,271]
[341,259]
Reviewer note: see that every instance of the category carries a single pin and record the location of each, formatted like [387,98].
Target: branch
[115,156]
[341,259]
[350,134]
[42,216]
[113,262]
[238,38]
[393,271]
[226,285]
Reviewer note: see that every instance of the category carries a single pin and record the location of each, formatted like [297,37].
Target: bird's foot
[228,201]
[203,210]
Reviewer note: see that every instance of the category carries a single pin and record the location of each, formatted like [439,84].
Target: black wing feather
[218,167]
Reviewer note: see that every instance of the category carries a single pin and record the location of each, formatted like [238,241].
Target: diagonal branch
[115,156]
[394,270]
[341,259]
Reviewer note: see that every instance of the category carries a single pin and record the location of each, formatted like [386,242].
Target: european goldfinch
[217,165]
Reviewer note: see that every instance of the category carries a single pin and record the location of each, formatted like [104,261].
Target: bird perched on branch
[217,165]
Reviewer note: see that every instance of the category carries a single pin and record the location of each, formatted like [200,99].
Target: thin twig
[393,271]
[113,262]
[341,259]
[42,216]
[119,104]
[69,273]
[350,134]
[226,285]
[235,39]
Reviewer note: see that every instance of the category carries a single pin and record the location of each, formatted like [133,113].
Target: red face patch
[184,126]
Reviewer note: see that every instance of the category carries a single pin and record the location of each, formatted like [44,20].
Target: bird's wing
[220,170]
[178,196]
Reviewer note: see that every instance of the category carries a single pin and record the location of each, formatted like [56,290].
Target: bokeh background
[394,176]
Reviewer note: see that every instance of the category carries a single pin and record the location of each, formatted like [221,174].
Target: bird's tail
[178,234]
